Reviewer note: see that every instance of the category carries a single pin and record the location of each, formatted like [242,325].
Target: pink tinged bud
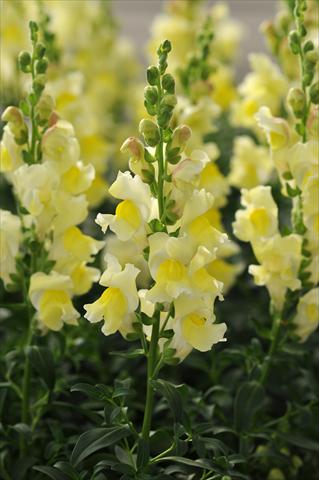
[181,135]
[134,147]
[54,117]
[13,115]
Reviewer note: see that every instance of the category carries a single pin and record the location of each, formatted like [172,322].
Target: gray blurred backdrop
[135,17]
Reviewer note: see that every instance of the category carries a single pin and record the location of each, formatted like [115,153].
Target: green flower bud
[169,101]
[45,107]
[312,57]
[150,132]
[39,84]
[40,50]
[275,474]
[25,61]
[18,128]
[180,137]
[41,65]
[294,42]
[309,45]
[297,101]
[168,83]
[164,117]
[151,95]
[166,46]
[152,75]
[34,30]
[314,93]
[296,461]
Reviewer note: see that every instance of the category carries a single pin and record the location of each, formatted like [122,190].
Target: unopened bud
[283,20]
[168,83]
[151,95]
[150,132]
[41,65]
[39,84]
[314,93]
[152,75]
[312,57]
[294,42]
[25,61]
[169,100]
[166,46]
[275,474]
[45,107]
[180,137]
[12,115]
[309,45]
[297,101]
[134,147]
[40,50]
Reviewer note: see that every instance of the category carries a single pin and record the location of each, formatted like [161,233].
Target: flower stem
[151,363]
[276,327]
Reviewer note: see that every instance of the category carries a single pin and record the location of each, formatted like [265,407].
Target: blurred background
[135,18]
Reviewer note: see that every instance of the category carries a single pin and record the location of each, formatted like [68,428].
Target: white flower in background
[10,238]
[251,164]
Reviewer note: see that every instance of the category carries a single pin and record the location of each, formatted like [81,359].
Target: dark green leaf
[249,399]
[42,362]
[96,439]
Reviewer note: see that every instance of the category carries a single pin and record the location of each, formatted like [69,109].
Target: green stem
[276,327]
[160,181]
[151,363]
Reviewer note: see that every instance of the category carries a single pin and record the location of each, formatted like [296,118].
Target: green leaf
[96,439]
[42,362]
[249,399]
[136,352]
[298,441]
[52,472]
[201,463]
[143,453]
[171,394]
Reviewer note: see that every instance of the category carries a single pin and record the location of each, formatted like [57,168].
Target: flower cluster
[164,236]
[86,75]
[44,252]
[289,261]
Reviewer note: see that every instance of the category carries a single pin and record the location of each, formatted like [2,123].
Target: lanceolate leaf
[96,439]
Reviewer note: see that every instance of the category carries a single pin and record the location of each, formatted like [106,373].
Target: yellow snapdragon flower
[10,238]
[118,302]
[251,164]
[279,259]
[133,212]
[50,294]
[259,218]
[307,316]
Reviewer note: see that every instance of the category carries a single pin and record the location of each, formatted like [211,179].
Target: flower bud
[39,84]
[168,83]
[309,45]
[275,474]
[40,50]
[314,93]
[45,107]
[25,61]
[152,75]
[41,65]
[151,95]
[297,101]
[166,46]
[312,57]
[294,42]
[12,115]
[169,100]
[150,132]
[270,33]
[134,147]
[180,137]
